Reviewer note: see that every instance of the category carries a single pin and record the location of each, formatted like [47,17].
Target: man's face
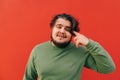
[61,35]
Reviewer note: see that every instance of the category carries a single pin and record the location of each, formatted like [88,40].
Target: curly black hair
[74,22]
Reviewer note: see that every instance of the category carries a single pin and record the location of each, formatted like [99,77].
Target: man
[62,59]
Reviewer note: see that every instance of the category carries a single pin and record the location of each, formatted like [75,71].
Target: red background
[25,23]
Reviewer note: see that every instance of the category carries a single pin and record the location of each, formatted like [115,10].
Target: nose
[62,30]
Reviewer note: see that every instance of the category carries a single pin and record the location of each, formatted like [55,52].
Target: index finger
[76,33]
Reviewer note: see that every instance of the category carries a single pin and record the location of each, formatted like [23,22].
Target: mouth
[61,35]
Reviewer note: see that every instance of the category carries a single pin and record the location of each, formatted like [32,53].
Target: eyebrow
[68,26]
[63,25]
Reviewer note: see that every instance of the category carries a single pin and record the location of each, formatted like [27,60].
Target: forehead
[63,21]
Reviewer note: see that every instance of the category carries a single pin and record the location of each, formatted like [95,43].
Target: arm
[98,59]
[30,71]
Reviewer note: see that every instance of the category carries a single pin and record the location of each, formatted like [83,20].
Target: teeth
[61,36]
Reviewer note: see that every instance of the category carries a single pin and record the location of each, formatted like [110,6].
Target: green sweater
[48,62]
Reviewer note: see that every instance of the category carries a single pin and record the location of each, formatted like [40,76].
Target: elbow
[109,70]
[113,68]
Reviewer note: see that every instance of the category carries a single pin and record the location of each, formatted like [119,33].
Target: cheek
[69,34]
[54,32]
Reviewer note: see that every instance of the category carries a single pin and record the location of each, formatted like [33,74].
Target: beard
[58,44]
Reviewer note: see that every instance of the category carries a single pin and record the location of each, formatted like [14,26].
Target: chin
[60,44]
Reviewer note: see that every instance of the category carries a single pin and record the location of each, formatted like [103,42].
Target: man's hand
[80,39]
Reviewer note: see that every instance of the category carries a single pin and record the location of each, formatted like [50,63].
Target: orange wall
[25,23]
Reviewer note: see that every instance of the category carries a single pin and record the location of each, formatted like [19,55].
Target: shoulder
[40,45]
[80,50]
[39,48]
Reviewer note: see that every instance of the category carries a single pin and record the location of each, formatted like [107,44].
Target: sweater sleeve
[30,71]
[99,59]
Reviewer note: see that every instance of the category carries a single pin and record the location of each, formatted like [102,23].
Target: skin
[61,33]
[80,39]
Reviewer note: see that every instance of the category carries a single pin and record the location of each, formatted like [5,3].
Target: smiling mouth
[61,36]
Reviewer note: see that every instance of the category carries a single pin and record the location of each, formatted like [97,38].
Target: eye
[59,26]
[68,29]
